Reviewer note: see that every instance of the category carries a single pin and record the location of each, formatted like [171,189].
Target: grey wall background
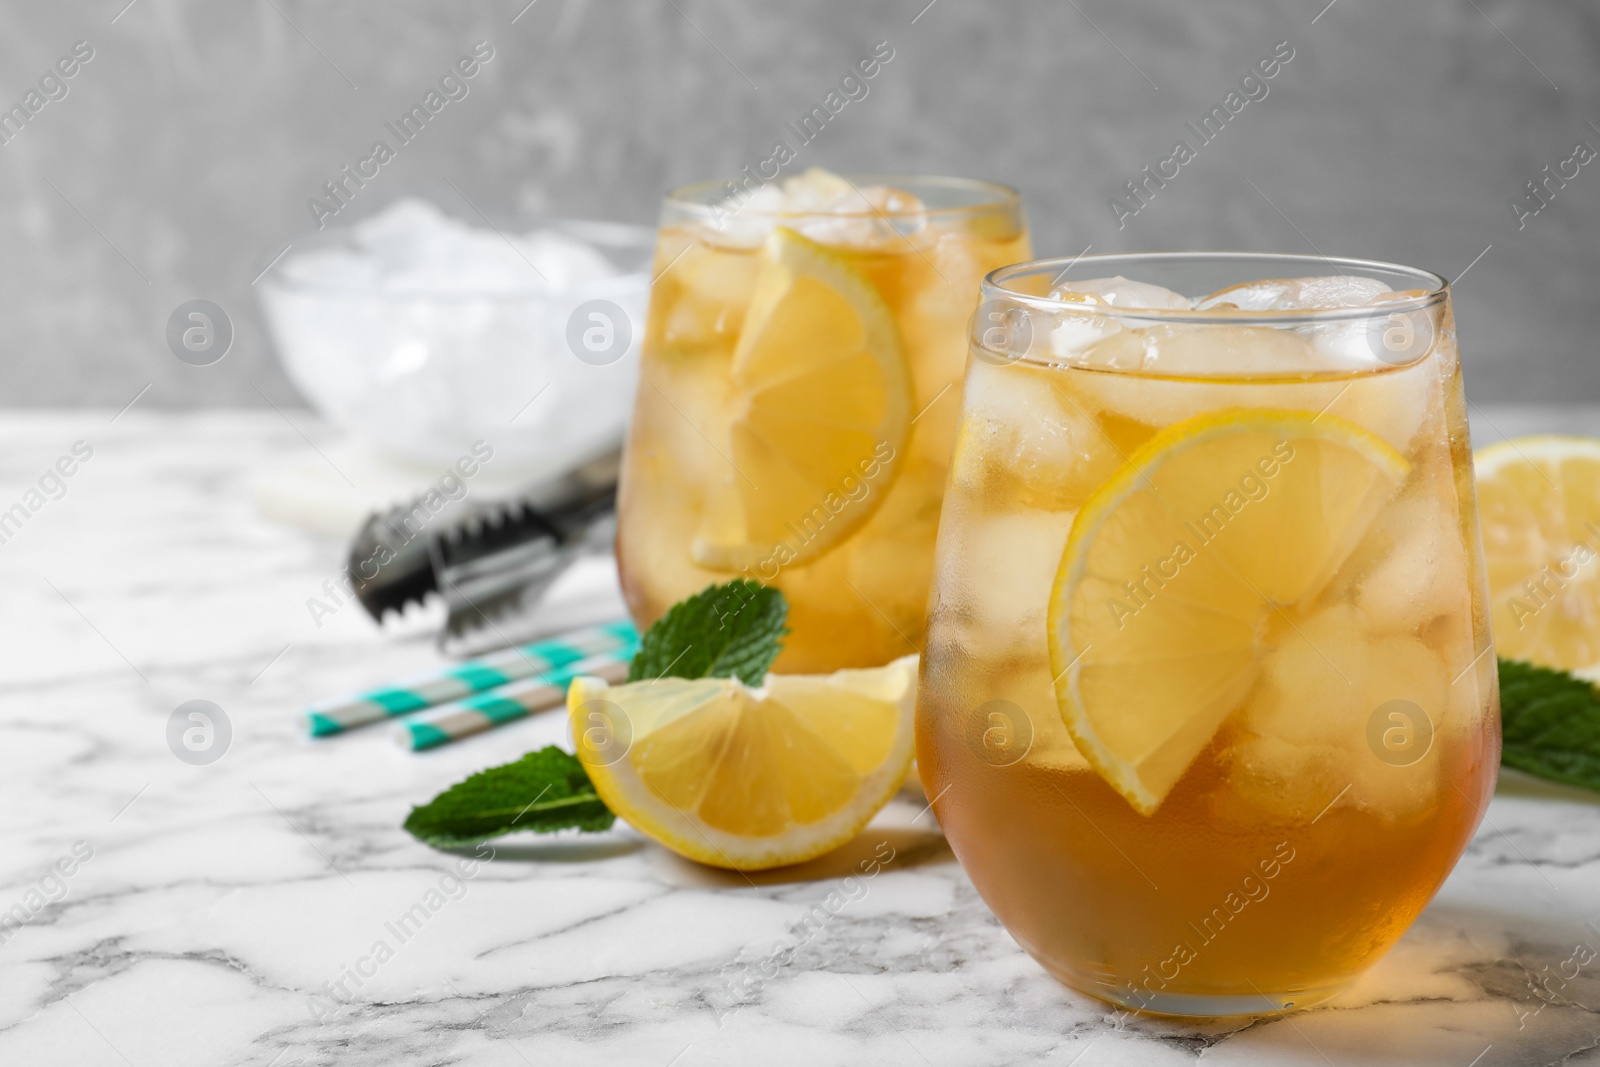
[180,162]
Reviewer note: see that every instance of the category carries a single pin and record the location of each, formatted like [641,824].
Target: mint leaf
[734,630]
[544,791]
[1550,724]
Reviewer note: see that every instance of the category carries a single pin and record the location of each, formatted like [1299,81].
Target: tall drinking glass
[799,388]
[1208,705]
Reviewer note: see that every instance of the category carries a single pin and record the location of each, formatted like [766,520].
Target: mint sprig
[544,791]
[734,630]
[1550,724]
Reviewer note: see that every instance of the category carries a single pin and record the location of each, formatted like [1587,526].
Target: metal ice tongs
[491,562]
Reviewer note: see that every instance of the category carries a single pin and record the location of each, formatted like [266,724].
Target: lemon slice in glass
[819,406]
[1539,501]
[748,778]
[1176,568]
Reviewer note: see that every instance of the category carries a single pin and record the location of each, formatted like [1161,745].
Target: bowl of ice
[423,335]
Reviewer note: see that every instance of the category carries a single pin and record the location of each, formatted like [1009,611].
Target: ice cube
[1423,574]
[1313,686]
[413,248]
[1125,293]
[1159,402]
[1397,295]
[1125,350]
[1172,356]
[1324,706]
[1240,351]
[1025,442]
[1075,333]
[1393,404]
[1007,564]
[821,205]
[405,230]
[814,189]
[1342,345]
[703,296]
[1287,294]
[1379,754]
[459,261]
[1395,772]
[1251,296]
[1383,339]
[1309,734]
[562,260]
[1338,345]
[1403,668]
[1336,291]
[1268,775]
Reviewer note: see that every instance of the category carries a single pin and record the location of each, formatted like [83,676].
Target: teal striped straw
[506,704]
[615,641]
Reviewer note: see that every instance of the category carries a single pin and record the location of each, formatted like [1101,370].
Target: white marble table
[218,900]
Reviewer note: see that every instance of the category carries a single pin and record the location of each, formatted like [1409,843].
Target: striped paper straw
[615,641]
[507,704]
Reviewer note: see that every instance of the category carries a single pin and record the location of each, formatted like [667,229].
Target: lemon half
[1539,500]
[748,778]
[1214,530]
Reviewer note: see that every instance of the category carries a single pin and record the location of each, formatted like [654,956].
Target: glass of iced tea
[1208,707]
[798,397]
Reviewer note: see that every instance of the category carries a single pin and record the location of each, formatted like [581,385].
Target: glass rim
[702,197]
[995,288]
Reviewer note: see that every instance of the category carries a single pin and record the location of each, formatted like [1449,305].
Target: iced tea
[800,383]
[1208,704]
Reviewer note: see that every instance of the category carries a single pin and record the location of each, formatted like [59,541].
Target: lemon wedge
[748,778]
[1539,502]
[1213,532]
[819,407]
